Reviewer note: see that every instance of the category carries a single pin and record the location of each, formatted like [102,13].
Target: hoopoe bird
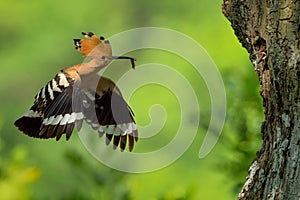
[78,94]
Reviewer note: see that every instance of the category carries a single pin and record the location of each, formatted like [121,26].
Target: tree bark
[270,32]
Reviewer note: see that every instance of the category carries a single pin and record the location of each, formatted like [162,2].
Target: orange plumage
[93,46]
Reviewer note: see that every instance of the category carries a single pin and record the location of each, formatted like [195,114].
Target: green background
[36,42]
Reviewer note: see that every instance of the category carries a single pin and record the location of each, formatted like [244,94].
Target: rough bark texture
[270,32]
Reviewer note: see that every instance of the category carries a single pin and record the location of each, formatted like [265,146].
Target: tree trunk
[270,32]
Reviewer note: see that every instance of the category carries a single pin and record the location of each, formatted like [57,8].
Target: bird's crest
[93,46]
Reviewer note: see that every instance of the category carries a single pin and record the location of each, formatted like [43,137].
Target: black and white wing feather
[53,112]
[108,113]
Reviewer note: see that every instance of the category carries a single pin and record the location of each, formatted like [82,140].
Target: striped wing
[108,113]
[53,112]
[61,104]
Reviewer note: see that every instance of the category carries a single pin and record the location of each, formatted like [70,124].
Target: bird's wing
[108,113]
[54,112]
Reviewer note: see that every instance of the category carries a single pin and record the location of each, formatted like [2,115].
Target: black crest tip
[90,34]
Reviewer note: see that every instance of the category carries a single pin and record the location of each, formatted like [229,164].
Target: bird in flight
[78,94]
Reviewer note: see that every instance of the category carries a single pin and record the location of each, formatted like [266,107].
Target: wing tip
[120,140]
[28,125]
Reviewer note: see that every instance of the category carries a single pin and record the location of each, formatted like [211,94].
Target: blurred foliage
[244,117]
[36,42]
[15,176]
